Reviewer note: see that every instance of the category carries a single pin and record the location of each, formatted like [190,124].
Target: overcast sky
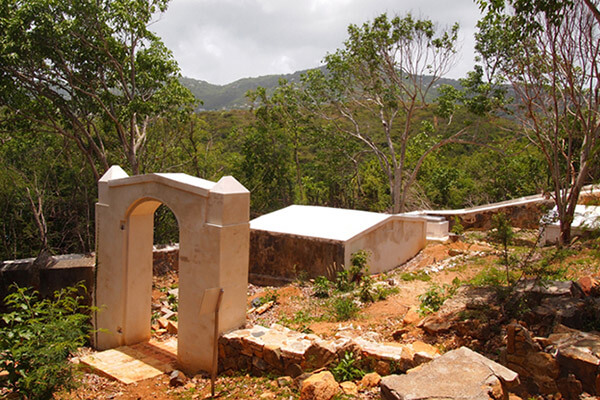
[221,41]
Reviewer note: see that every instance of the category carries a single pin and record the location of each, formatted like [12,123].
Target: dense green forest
[47,193]
[365,133]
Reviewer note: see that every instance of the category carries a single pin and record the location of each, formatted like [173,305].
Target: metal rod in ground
[215,364]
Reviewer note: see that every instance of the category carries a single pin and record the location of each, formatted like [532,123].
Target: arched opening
[153,270]
[213,221]
[165,275]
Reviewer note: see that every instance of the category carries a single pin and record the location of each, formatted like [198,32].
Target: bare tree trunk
[38,214]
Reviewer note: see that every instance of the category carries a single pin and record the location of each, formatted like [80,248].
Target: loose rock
[320,386]
[177,378]
[349,388]
[458,374]
[578,353]
[370,380]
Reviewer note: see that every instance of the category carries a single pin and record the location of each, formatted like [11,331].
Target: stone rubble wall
[48,273]
[524,212]
[286,257]
[521,215]
[282,351]
[567,361]
[165,259]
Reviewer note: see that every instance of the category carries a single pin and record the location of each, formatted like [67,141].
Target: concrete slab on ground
[129,364]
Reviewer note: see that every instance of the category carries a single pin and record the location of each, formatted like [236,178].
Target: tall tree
[387,69]
[549,52]
[89,70]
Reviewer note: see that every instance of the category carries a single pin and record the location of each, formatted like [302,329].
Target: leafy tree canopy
[89,70]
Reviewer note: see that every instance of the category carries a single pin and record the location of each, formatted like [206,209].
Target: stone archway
[214,232]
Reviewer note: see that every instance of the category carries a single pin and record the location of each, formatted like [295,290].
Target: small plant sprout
[503,233]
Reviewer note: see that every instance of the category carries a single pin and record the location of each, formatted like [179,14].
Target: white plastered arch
[213,220]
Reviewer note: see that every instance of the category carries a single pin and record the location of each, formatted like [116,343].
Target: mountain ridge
[233,95]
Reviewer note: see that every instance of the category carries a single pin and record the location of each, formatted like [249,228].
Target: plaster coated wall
[283,257]
[390,244]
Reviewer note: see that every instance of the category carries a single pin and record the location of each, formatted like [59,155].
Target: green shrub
[366,292]
[432,299]
[503,233]
[346,279]
[343,281]
[321,287]
[457,227]
[36,338]
[492,277]
[173,301]
[270,295]
[382,293]
[299,321]
[347,369]
[359,265]
[344,308]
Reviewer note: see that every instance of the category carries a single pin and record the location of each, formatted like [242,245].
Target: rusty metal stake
[215,364]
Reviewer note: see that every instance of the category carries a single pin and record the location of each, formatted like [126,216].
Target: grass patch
[344,308]
[415,276]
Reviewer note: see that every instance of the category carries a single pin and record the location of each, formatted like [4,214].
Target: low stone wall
[165,259]
[47,274]
[590,196]
[522,214]
[286,257]
[279,350]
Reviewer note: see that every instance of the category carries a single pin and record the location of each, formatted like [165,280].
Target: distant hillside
[233,95]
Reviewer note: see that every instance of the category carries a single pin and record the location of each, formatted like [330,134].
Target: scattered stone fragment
[399,334]
[294,370]
[300,379]
[549,288]
[284,381]
[172,327]
[458,374]
[265,307]
[189,385]
[578,353]
[177,378]
[370,380]
[349,388]
[589,285]
[268,395]
[435,324]
[162,322]
[412,316]
[455,252]
[570,387]
[320,386]
[167,312]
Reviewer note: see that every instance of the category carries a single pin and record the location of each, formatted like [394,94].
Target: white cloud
[224,40]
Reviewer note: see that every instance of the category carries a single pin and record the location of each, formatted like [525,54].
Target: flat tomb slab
[129,364]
